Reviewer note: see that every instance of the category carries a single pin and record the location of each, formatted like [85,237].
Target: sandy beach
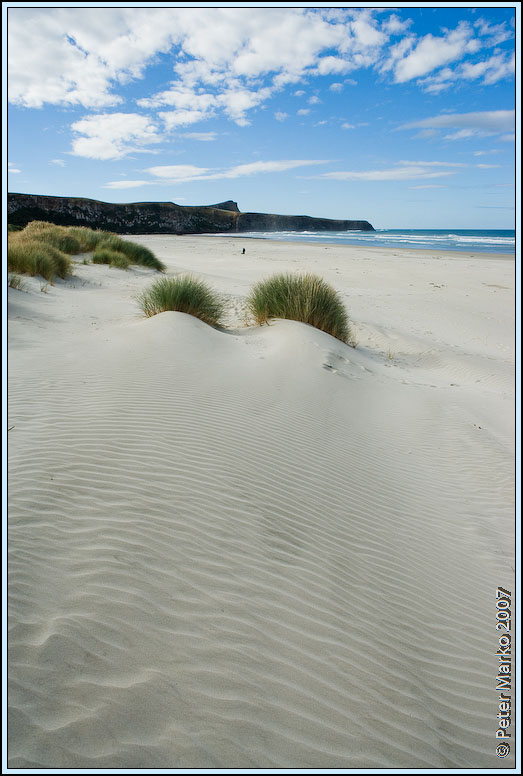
[258,547]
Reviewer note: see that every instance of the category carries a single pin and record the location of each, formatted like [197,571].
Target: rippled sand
[259,547]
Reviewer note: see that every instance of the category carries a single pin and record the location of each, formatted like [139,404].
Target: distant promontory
[162,217]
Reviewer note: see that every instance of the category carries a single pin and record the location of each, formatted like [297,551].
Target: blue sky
[401,116]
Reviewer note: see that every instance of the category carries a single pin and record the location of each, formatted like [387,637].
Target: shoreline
[365,247]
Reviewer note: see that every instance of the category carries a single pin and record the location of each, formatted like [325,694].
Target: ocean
[465,240]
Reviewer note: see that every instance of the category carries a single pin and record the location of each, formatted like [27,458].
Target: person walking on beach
[243,251]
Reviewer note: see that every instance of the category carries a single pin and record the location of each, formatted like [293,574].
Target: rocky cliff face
[160,217]
[268,222]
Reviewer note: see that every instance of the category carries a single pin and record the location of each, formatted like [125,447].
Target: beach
[259,547]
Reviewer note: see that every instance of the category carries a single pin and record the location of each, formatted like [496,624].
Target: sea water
[465,240]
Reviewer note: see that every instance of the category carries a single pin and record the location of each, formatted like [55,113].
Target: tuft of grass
[137,254]
[185,294]
[108,256]
[73,240]
[15,281]
[307,298]
[34,257]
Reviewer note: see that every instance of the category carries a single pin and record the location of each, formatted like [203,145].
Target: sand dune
[259,547]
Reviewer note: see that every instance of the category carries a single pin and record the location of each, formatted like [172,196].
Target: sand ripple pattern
[225,568]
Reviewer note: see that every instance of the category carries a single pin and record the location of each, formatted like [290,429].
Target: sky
[402,116]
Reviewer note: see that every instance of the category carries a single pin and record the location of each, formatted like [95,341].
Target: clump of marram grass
[137,254]
[307,298]
[74,240]
[108,256]
[184,294]
[89,239]
[57,236]
[36,257]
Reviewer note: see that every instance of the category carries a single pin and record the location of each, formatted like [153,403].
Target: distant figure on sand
[243,251]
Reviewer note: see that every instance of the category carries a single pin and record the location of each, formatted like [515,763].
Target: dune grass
[104,255]
[57,236]
[88,238]
[184,294]
[35,257]
[307,298]
[137,254]
[73,240]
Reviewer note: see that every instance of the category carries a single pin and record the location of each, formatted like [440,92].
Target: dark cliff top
[161,217]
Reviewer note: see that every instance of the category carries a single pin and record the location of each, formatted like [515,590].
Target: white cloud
[225,61]
[113,135]
[432,52]
[125,184]
[303,111]
[395,25]
[81,56]
[366,35]
[314,100]
[467,124]
[428,186]
[488,166]
[490,71]
[181,118]
[497,33]
[204,137]
[176,172]
[508,138]
[181,173]
[484,153]
[78,55]
[236,102]
[462,134]
[281,116]
[395,174]
[182,98]
[397,53]
[274,166]
[433,164]
[333,65]
[346,125]
[12,168]
[498,67]
[336,87]
[59,162]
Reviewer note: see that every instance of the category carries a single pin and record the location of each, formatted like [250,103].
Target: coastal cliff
[161,217]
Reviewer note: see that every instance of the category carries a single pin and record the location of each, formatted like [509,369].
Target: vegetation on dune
[184,294]
[57,236]
[108,256]
[43,249]
[88,238]
[36,257]
[307,298]
[137,254]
